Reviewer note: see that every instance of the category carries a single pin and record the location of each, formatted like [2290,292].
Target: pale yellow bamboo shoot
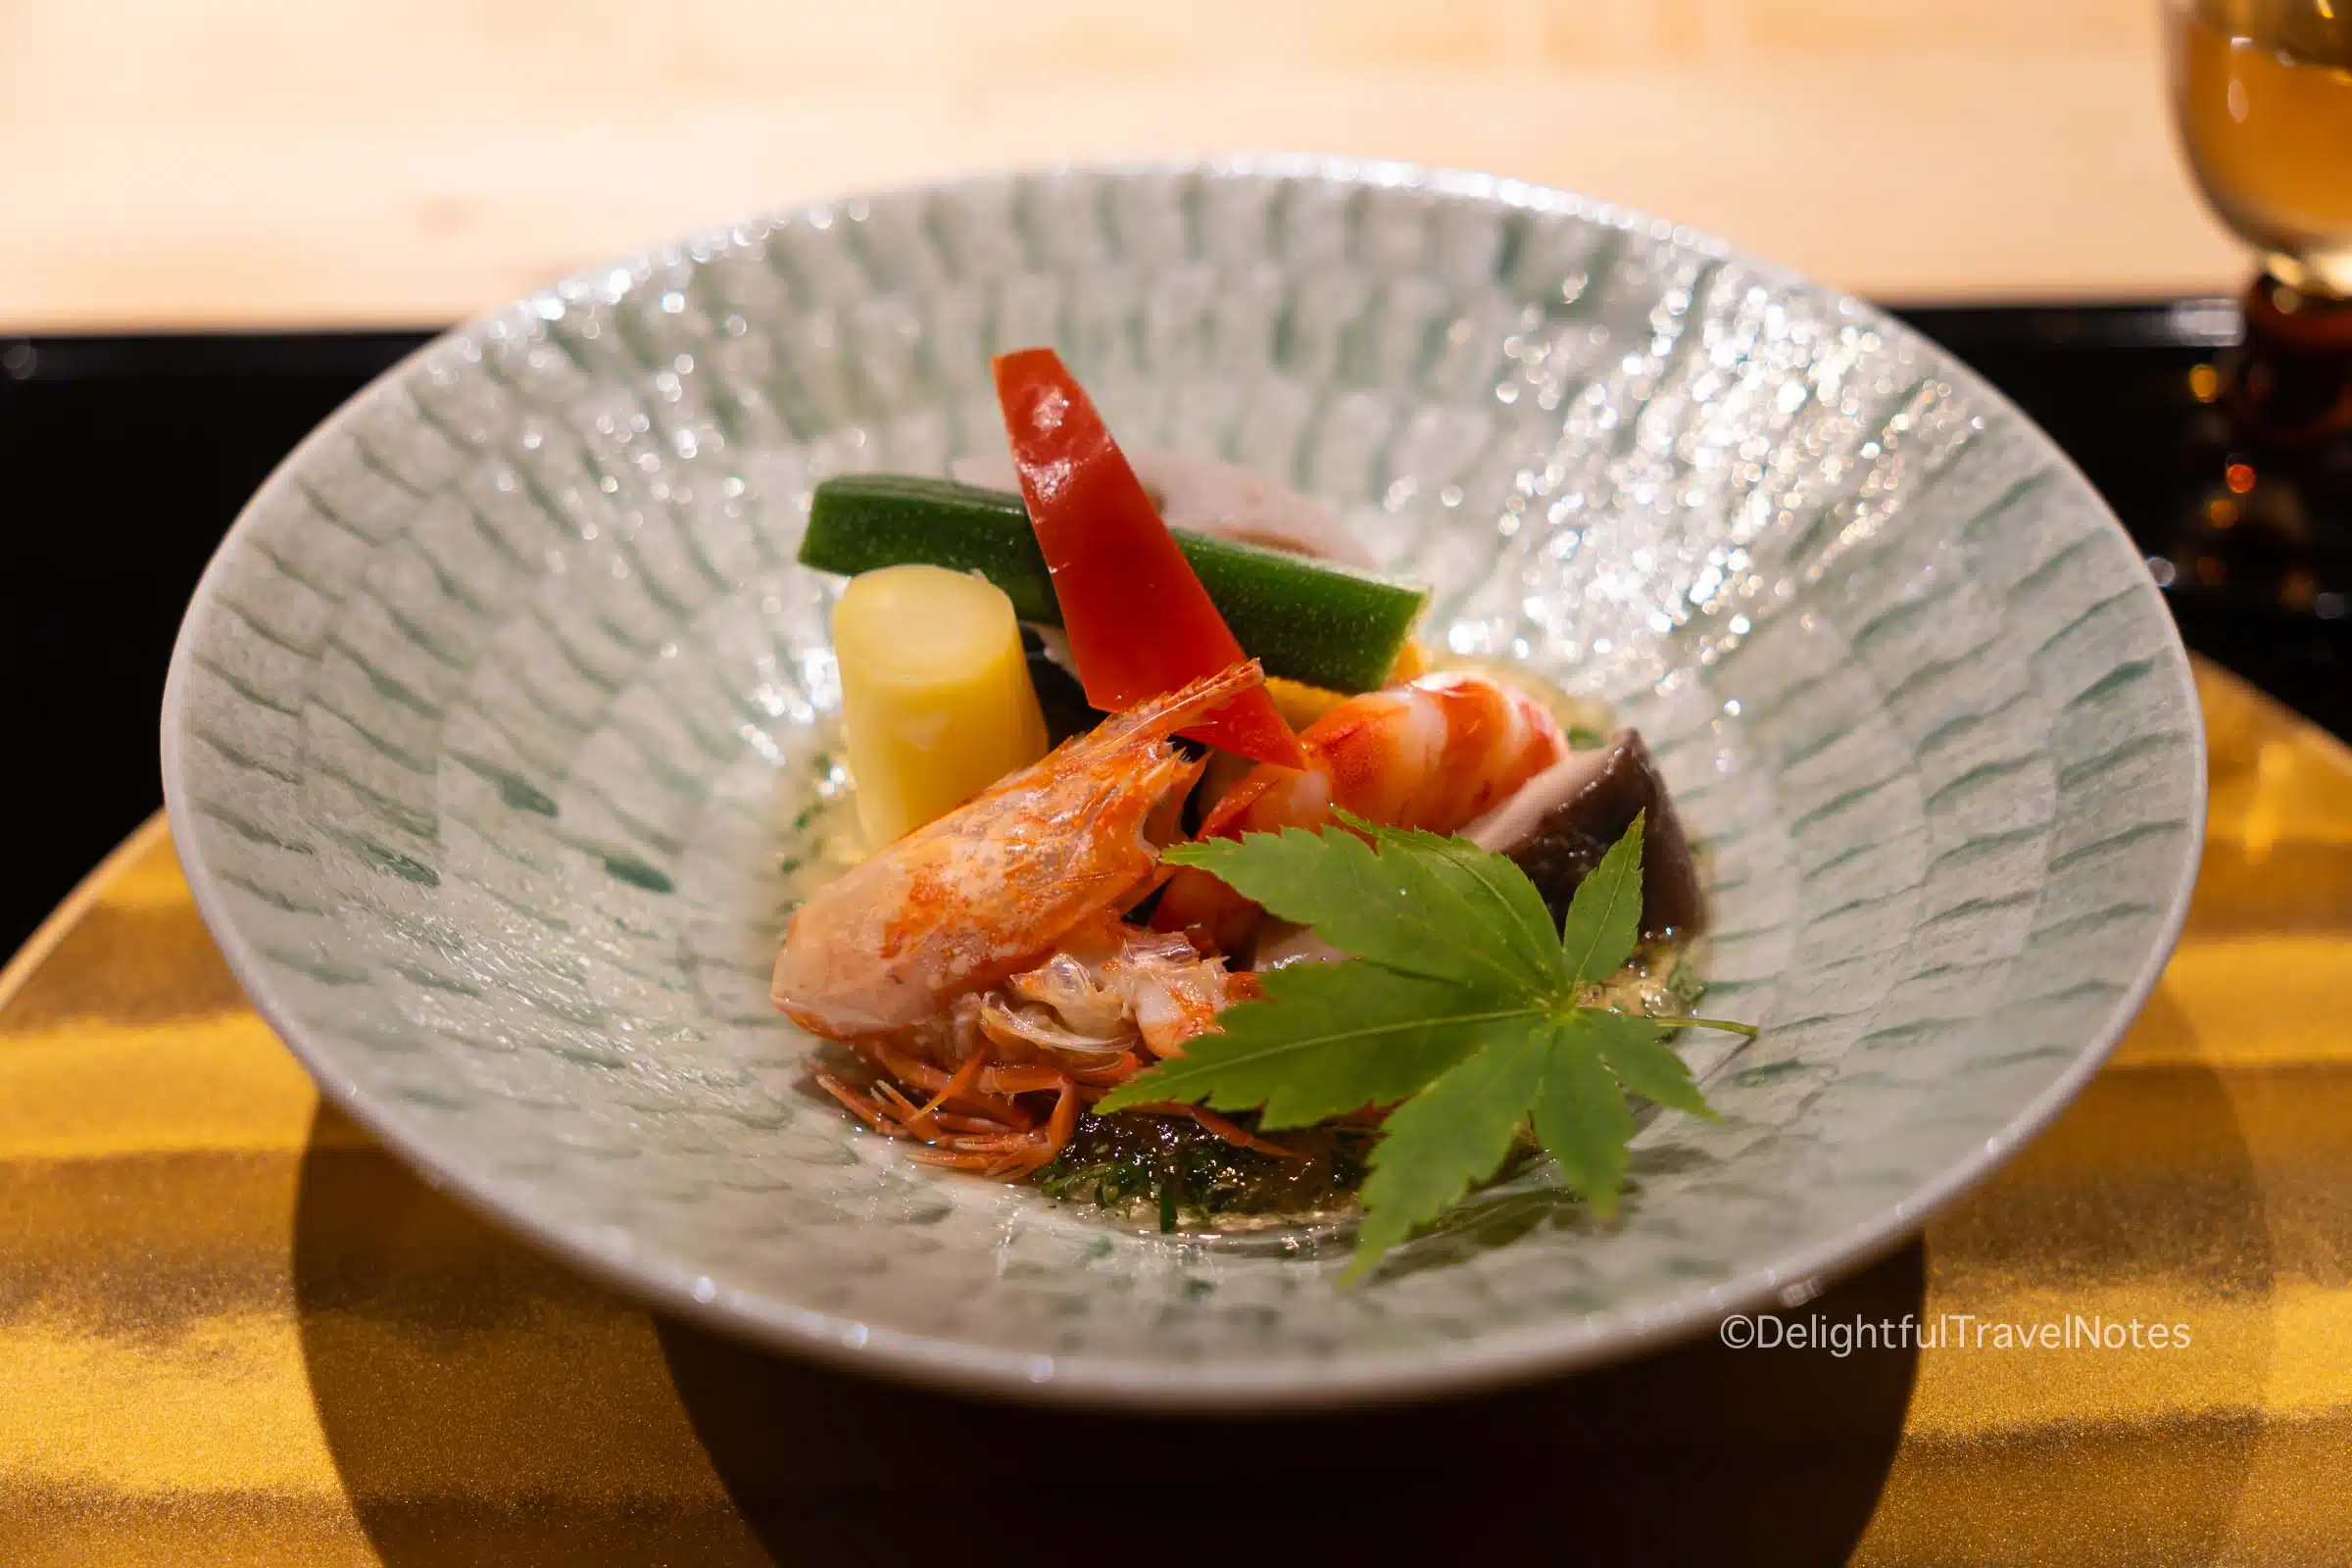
[935,693]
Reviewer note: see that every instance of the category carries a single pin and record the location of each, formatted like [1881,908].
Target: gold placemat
[232,1330]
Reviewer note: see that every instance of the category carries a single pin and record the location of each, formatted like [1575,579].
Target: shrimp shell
[972,899]
[1105,990]
[1434,753]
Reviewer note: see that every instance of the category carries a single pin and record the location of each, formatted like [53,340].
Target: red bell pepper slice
[1138,621]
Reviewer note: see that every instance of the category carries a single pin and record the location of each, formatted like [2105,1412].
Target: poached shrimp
[974,897]
[1435,752]
[1108,1001]
[940,952]
[1105,992]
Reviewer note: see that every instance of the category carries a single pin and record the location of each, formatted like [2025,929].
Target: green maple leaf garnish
[1462,1008]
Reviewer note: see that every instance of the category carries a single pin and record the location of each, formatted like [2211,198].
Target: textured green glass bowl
[503,733]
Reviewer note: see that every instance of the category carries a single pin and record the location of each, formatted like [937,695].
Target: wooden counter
[241,163]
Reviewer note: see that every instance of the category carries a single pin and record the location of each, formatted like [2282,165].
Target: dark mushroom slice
[1563,821]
